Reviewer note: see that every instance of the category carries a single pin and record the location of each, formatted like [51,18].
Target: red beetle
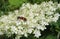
[22,18]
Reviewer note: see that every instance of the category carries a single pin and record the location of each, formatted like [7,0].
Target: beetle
[22,18]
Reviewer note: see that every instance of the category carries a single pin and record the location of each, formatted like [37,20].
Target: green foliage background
[52,31]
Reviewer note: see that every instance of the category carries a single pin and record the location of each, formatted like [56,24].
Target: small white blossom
[37,33]
[58,5]
[1,33]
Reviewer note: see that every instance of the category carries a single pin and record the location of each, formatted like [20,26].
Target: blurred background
[52,31]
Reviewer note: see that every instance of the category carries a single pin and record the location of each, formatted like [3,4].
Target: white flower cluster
[29,19]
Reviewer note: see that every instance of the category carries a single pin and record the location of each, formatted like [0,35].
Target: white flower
[25,35]
[30,30]
[14,29]
[1,33]
[17,37]
[56,16]
[58,5]
[41,27]
[37,33]
[37,16]
[18,23]
[16,11]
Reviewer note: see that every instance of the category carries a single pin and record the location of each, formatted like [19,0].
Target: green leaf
[51,37]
